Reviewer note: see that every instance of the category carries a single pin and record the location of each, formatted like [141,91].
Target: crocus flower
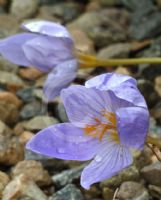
[108,117]
[47,46]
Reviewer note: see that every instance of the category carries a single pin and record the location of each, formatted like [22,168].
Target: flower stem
[154,141]
[89,61]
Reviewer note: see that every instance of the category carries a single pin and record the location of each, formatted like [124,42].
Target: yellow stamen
[100,129]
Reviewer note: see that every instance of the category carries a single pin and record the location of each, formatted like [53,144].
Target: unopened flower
[108,117]
[48,47]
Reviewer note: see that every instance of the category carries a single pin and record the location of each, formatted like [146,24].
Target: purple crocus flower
[47,46]
[108,117]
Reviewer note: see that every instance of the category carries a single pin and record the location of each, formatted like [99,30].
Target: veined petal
[111,158]
[133,124]
[47,28]
[124,87]
[84,106]
[46,52]
[60,77]
[11,48]
[64,141]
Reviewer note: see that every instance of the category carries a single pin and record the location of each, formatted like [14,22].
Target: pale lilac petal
[85,105]
[60,77]
[111,158]
[123,86]
[46,52]
[47,28]
[11,48]
[64,141]
[133,123]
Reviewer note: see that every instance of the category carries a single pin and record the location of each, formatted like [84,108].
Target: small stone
[69,192]
[39,122]
[107,193]
[158,85]
[155,191]
[120,50]
[26,94]
[9,28]
[24,9]
[110,2]
[129,174]
[5,65]
[82,41]
[123,70]
[132,190]
[151,98]
[86,22]
[156,113]
[31,109]
[61,113]
[4,179]
[30,73]
[151,173]
[4,129]
[9,107]
[137,5]
[25,137]
[67,176]
[33,170]
[11,150]
[22,187]
[10,81]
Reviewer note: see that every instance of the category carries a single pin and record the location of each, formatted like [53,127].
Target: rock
[123,70]
[69,192]
[33,170]
[61,113]
[151,173]
[67,11]
[155,191]
[110,2]
[129,174]
[4,179]
[9,28]
[11,150]
[157,86]
[9,107]
[107,193]
[156,113]
[145,26]
[82,41]
[5,65]
[145,86]
[22,187]
[120,50]
[24,9]
[10,81]
[4,130]
[135,5]
[132,190]
[30,73]
[25,137]
[26,94]
[86,22]
[67,176]
[31,109]
[39,122]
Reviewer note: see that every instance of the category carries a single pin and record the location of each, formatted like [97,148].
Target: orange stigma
[99,129]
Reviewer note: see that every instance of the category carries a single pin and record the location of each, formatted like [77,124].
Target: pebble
[31,109]
[69,192]
[107,193]
[30,73]
[33,170]
[67,176]
[22,187]
[132,190]
[26,94]
[4,180]
[129,174]
[39,122]
[9,107]
[4,129]
[24,9]
[10,81]
[151,173]
[61,113]
[157,86]
[11,150]
[155,191]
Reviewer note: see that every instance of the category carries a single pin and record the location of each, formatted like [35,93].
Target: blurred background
[106,29]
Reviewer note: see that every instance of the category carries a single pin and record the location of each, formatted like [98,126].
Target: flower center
[99,129]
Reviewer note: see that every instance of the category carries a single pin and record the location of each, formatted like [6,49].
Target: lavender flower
[108,117]
[48,47]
